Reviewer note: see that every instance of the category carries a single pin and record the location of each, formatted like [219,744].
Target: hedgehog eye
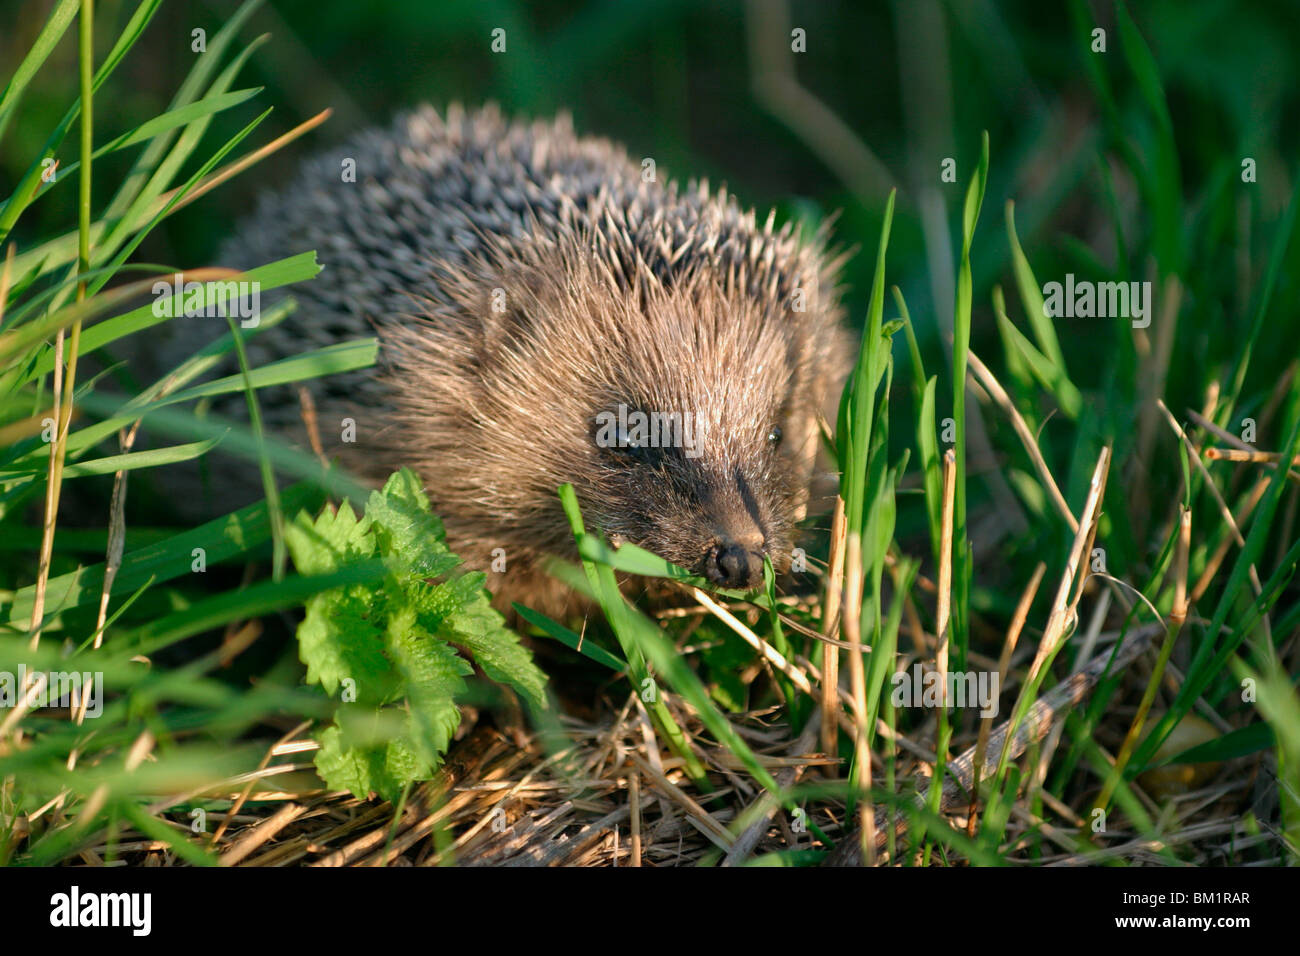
[625,443]
[636,454]
[610,435]
[774,436]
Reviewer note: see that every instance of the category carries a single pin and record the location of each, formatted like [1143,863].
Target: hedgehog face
[715,502]
[708,468]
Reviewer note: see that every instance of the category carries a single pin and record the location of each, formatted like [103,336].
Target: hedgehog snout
[730,564]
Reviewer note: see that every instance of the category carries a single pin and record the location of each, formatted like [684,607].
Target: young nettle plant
[395,656]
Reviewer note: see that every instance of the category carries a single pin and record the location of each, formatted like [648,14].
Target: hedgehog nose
[730,565]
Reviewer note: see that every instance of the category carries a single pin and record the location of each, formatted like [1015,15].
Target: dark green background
[673,80]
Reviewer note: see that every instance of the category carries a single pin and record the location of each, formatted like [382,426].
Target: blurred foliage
[672,79]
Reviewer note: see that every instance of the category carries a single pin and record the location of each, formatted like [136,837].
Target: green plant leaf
[396,644]
[482,631]
[434,676]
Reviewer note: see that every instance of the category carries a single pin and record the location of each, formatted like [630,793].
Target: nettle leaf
[340,766]
[339,639]
[482,630]
[410,531]
[351,759]
[434,676]
[401,765]
[335,538]
[459,611]
[397,644]
[436,602]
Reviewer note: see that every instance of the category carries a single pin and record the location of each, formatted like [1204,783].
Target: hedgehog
[549,312]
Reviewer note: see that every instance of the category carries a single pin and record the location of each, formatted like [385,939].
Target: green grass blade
[1031,296]
[274,275]
[279,554]
[55,26]
[152,458]
[162,124]
[224,538]
[27,185]
[961,563]
[569,639]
